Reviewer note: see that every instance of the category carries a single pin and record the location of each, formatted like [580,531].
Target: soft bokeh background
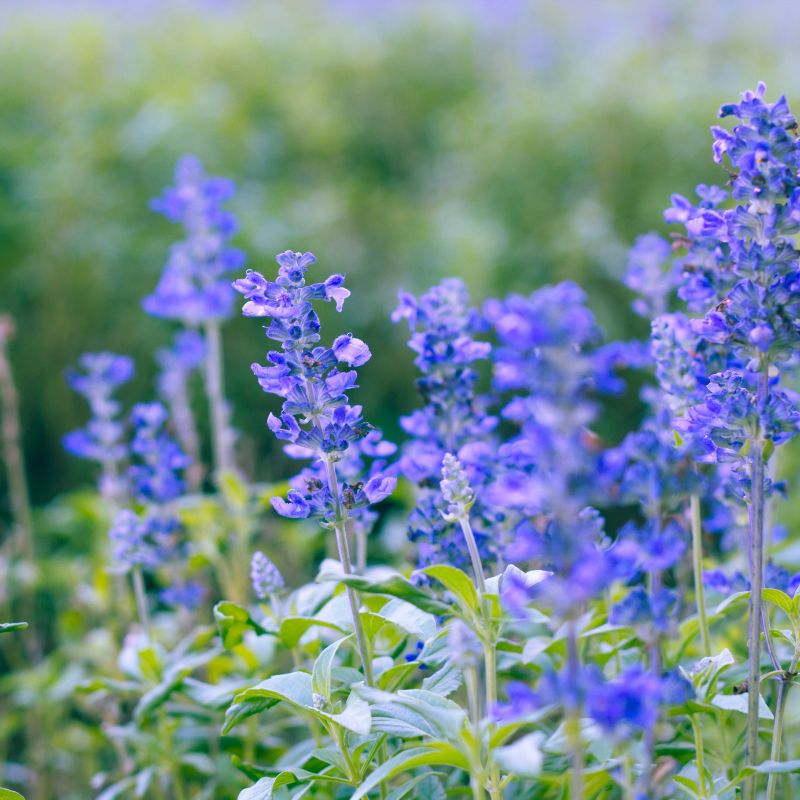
[510,142]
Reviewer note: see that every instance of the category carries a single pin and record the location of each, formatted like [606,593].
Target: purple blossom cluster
[316,419]
[194,286]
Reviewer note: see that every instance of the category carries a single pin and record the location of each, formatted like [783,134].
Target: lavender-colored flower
[143,541]
[194,287]
[188,595]
[631,701]
[97,379]
[651,274]
[265,576]
[454,419]
[316,419]
[456,489]
[156,478]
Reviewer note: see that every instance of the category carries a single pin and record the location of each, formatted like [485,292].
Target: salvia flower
[316,420]
[265,576]
[456,490]
[97,378]
[651,274]
[194,286]
[454,419]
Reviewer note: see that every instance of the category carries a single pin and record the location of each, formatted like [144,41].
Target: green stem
[777,733]
[698,746]
[141,599]
[697,560]
[218,410]
[474,704]
[474,555]
[573,719]
[756,588]
[344,556]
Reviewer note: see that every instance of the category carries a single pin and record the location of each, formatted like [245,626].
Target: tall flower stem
[214,382]
[654,583]
[12,447]
[573,720]
[474,554]
[141,599]
[777,726]
[756,587]
[489,654]
[474,703]
[698,746]
[340,526]
[697,562]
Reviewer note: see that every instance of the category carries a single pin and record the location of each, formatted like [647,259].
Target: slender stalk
[756,588]
[218,409]
[361,549]
[777,726]
[654,582]
[697,561]
[474,555]
[777,732]
[12,448]
[474,705]
[573,720]
[186,429]
[340,526]
[141,599]
[698,746]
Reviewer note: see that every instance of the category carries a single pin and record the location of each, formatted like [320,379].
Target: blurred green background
[511,143]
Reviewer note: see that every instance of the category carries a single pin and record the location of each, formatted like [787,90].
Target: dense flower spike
[316,420]
[97,379]
[742,270]
[265,576]
[455,418]
[194,287]
[148,539]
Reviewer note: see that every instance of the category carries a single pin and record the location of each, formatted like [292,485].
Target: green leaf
[407,789]
[734,599]
[233,622]
[292,629]
[240,711]
[523,757]
[392,584]
[411,713]
[356,716]
[738,702]
[765,768]
[7,627]
[9,794]
[392,678]
[781,600]
[437,754]
[444,681]
[264,788]
[321,674]
[456,582]
[688,785]
[294,688]
[409,618]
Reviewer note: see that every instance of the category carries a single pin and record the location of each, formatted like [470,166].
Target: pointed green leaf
[233,622]
[438,754]
[458,583]
[292,629]
[321,674]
